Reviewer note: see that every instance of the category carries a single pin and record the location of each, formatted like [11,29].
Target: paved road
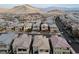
[69,39]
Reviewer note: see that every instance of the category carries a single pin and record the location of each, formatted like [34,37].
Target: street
[69,39]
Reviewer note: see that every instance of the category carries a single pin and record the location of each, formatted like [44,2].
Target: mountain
[3,10]
[71,9]
[21,9]
[56,12]
[51,8]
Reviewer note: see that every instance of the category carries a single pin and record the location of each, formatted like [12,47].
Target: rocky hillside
[21,9]
[3,10]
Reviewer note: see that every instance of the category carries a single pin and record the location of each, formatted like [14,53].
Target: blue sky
[42,5]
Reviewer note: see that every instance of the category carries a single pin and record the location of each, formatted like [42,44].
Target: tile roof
[23,41]
[59,42]
[41,42]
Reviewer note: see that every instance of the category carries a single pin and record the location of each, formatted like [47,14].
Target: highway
[69,39]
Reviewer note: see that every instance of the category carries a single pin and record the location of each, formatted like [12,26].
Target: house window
[46,50]
[24,49]
[36,52]
[41,50]
[67,48]
[55,31]
[19,49]
[65,52]
[2,46]
[59,35]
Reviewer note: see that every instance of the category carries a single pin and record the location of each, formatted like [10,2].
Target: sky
[56,5]
[42,5]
